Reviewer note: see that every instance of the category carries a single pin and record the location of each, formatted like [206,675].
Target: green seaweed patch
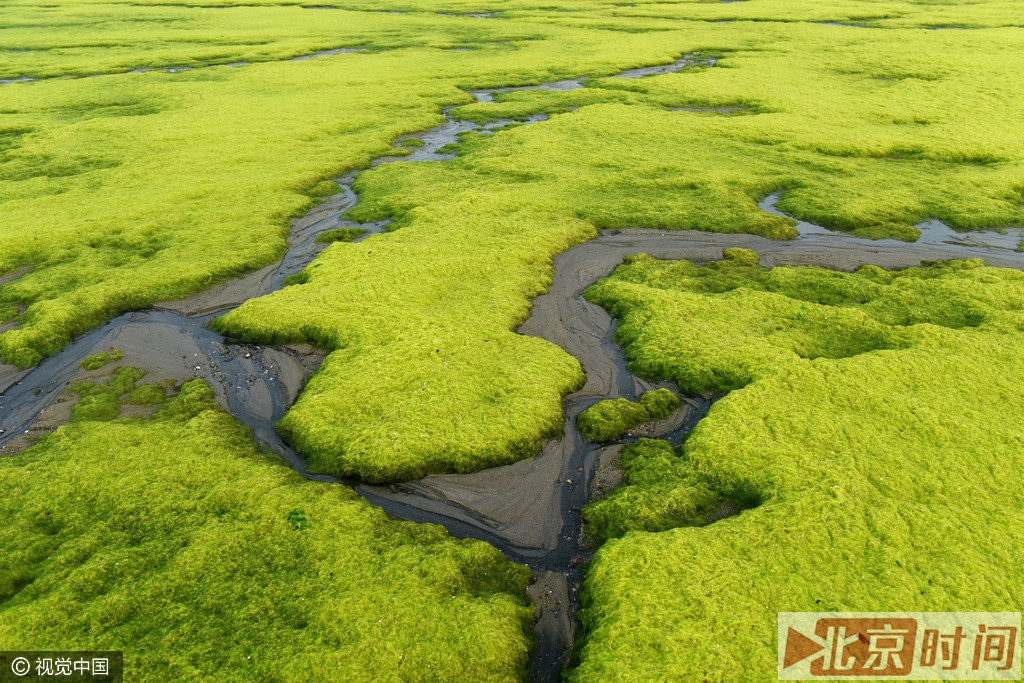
[893,231]
[76,109]
[147,395]
[809,313]
[611,419]
[297,519]
[10,136]
[7,311]
[738,256]
[520,105]
[882,479]
[27,167]
[98,360]
[294,279]
[661,490]
[618,160]
[174,532]
[412,142]
[102,402]
[325,188]
[341,235]
[459,147]
[608,420]
[660,403]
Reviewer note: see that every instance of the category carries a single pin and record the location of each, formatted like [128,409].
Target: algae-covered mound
[660,491]
[103,402]
[175,540]
[608,420]
[871,417]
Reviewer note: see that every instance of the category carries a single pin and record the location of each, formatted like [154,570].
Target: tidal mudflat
[672,317]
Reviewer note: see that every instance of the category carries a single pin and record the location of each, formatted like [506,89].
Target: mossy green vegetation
[102,402]
[63,40]
[849,404]
[661,490]
[98,360]
[869,419]
[324,188]
[7,312]
[176,540]
[609,420]
[816,314]
[133,188]
[862,133]
[147,395]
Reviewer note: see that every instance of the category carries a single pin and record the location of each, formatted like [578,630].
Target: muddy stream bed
[529,510]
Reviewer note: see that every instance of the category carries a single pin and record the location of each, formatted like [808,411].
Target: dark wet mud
[528,510]
[256,384]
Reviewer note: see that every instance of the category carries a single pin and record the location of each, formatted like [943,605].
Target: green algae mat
[609,420]
[132,188]
[869,429]
[871,415]
[472,237]
[176,540]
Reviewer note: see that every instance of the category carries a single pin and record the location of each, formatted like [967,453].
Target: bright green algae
[866,134]
[870,415]
[128,189]
[176,540]
[660,491]
[102,402]
[124,190]
[608,420]
[98,360]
